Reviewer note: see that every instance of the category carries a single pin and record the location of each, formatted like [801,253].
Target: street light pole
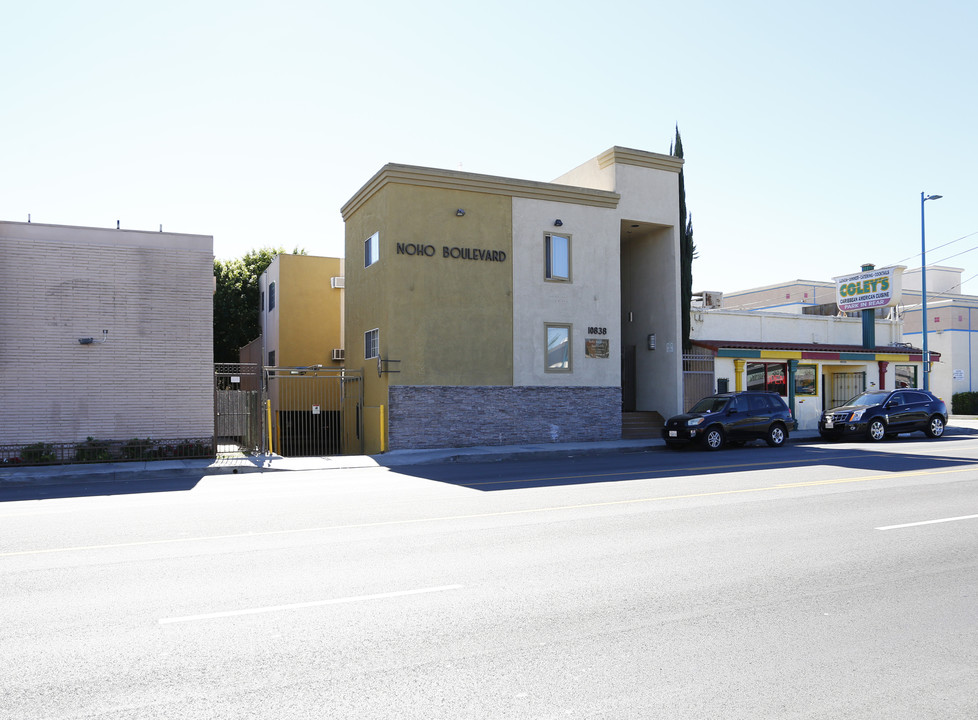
[923,286]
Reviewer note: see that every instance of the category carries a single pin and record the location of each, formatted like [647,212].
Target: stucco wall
[153,375]
[590,299]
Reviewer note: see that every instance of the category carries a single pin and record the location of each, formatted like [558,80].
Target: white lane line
[315,603]
[928,522]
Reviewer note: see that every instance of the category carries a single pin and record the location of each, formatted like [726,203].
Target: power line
[938,247]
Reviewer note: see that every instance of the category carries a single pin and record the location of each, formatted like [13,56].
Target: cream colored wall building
[952,325]
[492,310]
[151,375]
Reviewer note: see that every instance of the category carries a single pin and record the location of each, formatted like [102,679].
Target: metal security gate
[698,378]
[314,411]
[846,386]
[237,408]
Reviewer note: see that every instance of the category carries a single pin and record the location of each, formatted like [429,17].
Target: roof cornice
[641,158]
[473,182]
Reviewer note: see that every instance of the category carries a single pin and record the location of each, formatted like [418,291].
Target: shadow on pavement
[664,463]
[174,483]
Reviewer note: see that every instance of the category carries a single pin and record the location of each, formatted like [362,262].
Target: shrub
[38,453]
[139,449]
[93,450]
[964,403]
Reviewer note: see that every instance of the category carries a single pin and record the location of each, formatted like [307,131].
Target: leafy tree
[236,300]
[687,249]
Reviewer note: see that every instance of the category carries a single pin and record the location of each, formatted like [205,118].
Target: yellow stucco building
[485,310]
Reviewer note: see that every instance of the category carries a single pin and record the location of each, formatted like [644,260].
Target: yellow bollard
[383,429]
[268,423]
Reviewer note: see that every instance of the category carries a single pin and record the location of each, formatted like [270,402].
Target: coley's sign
[869,289]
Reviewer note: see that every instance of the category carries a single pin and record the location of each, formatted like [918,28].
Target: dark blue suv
[878,414]
[732,418]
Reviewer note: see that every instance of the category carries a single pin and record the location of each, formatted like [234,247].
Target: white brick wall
[153,292]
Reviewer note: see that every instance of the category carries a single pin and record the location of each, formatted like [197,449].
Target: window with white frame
[557,250]
[371,343]
[558,358]
[371,250]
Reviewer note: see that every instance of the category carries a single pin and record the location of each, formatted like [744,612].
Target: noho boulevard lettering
[456,253]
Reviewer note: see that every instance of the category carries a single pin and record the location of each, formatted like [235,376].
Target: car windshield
[874,397]
[709,405]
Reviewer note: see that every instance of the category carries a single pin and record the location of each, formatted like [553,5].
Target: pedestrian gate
[698,378]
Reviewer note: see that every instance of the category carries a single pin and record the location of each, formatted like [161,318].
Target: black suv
[877,414]
[731,417]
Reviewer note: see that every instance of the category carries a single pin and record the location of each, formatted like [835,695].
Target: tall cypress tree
[687,249]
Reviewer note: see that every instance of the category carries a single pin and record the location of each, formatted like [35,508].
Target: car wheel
[876,430]
[776,435]
[714,438]
[935,428]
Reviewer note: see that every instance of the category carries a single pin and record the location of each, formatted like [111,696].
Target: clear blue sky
[810,129]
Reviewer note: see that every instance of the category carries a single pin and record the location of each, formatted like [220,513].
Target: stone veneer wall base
[436,416]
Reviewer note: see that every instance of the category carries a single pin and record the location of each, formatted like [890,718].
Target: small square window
[557,257]
[371,250]
[558,357]
[371,343]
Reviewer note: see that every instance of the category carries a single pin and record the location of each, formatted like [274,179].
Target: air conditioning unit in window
[337,282]
[712,299]
[339,354]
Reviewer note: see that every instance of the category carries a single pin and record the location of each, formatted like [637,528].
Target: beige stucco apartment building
[493,310]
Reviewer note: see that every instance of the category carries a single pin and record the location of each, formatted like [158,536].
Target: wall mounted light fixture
[558,222]
[93,341]
[460,212]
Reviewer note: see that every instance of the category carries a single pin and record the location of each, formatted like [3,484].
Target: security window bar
[557,257]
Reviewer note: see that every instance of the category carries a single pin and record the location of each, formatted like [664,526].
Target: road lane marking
[928,522]
[299,606]
[501,513]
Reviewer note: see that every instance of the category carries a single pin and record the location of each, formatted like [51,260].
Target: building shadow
[659,462]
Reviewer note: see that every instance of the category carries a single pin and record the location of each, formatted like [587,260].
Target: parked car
[731,418]
[877,414]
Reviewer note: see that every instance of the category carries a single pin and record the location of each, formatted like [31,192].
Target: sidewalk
[14,476]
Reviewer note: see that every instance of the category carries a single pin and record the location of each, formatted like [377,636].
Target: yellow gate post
[268,423]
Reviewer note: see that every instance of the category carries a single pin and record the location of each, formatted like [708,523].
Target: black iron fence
[94,450]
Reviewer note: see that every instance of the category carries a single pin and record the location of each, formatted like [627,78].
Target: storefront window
[906,376]
[768,377]
[806,380]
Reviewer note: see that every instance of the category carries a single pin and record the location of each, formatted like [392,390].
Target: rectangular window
[271,360]
[906,376]
[806,380]
[558,357]
[371,343]
[263,301]
[271,297]
[768,377]
[558,259]
[371,250]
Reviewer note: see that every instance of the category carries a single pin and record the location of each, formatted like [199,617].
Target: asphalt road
[812,581]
